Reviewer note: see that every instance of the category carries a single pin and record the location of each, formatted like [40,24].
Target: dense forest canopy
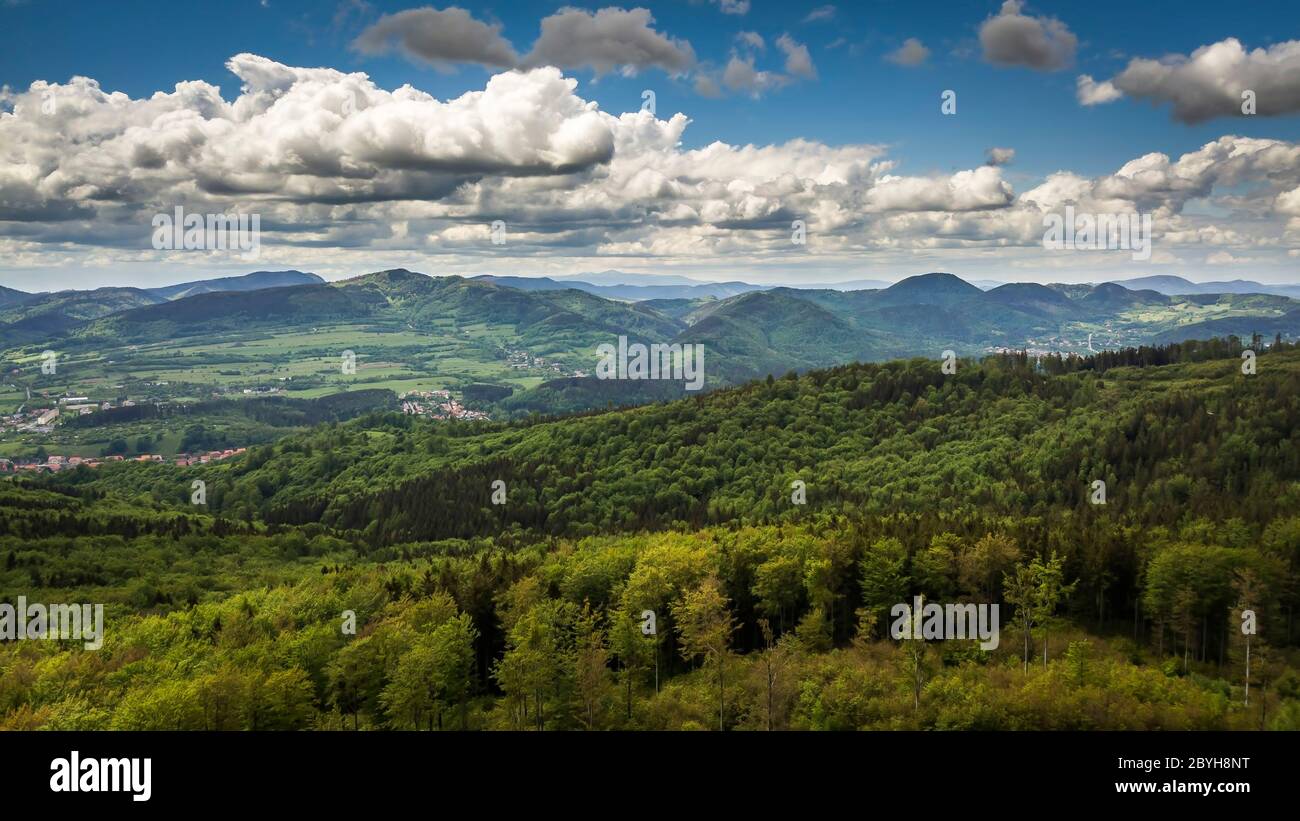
[499,575]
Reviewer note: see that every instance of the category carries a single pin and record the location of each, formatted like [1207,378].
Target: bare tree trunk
[1026,649]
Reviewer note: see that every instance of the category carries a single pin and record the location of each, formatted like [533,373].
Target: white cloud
[974,190]
[350,175]
[740,75]
[1226,258]
[821,14]
[798,61]
[1288,202]
[912,53]
[292,135]
[607,39]
[1001,156]
[438,37]
[1010,38]
[1090,92]
[1210,82]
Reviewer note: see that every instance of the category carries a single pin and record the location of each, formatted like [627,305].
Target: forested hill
[1002,437]
[977,485]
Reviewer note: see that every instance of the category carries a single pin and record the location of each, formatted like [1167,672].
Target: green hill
[516,560]
[419,332]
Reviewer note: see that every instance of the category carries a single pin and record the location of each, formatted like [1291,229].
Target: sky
[716,139]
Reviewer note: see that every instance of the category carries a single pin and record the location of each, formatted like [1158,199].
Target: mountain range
[1174,286]
[61,310]
[630,292]
[748,334]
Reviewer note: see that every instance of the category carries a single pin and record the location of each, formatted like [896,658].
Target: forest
[727,561]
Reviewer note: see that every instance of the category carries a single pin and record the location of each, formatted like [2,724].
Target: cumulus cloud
[1010,38]
[1157,183]
[1090,92]
[293,135]
[1000,156]
[1288,202]
[1210,81]
[912,53]
[337,166]
[607,39]
[441,38]
[798,61]
[980,189]
[741,76]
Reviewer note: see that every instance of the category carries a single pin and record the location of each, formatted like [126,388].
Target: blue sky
[857,97]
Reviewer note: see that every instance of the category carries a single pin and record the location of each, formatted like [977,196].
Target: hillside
[875,436]
[415,332]
[1175,285]
[764,332]
[43,315]
[1038,300]
[247,282]
[686,289]
[28,317]
[972,485]
[9,296]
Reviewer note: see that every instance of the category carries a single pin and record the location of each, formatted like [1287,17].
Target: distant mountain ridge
[633,293]
[10,296]
[248,282]
[1177,286]
[746,335]
[24,316]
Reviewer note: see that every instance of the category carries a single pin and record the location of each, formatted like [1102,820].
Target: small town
[41,420]
[522,360]
[437,405]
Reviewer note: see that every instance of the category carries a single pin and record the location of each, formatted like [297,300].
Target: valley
[201,350]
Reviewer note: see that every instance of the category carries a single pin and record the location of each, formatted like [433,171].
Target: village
[437,405]
[42,419]
[522,360]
